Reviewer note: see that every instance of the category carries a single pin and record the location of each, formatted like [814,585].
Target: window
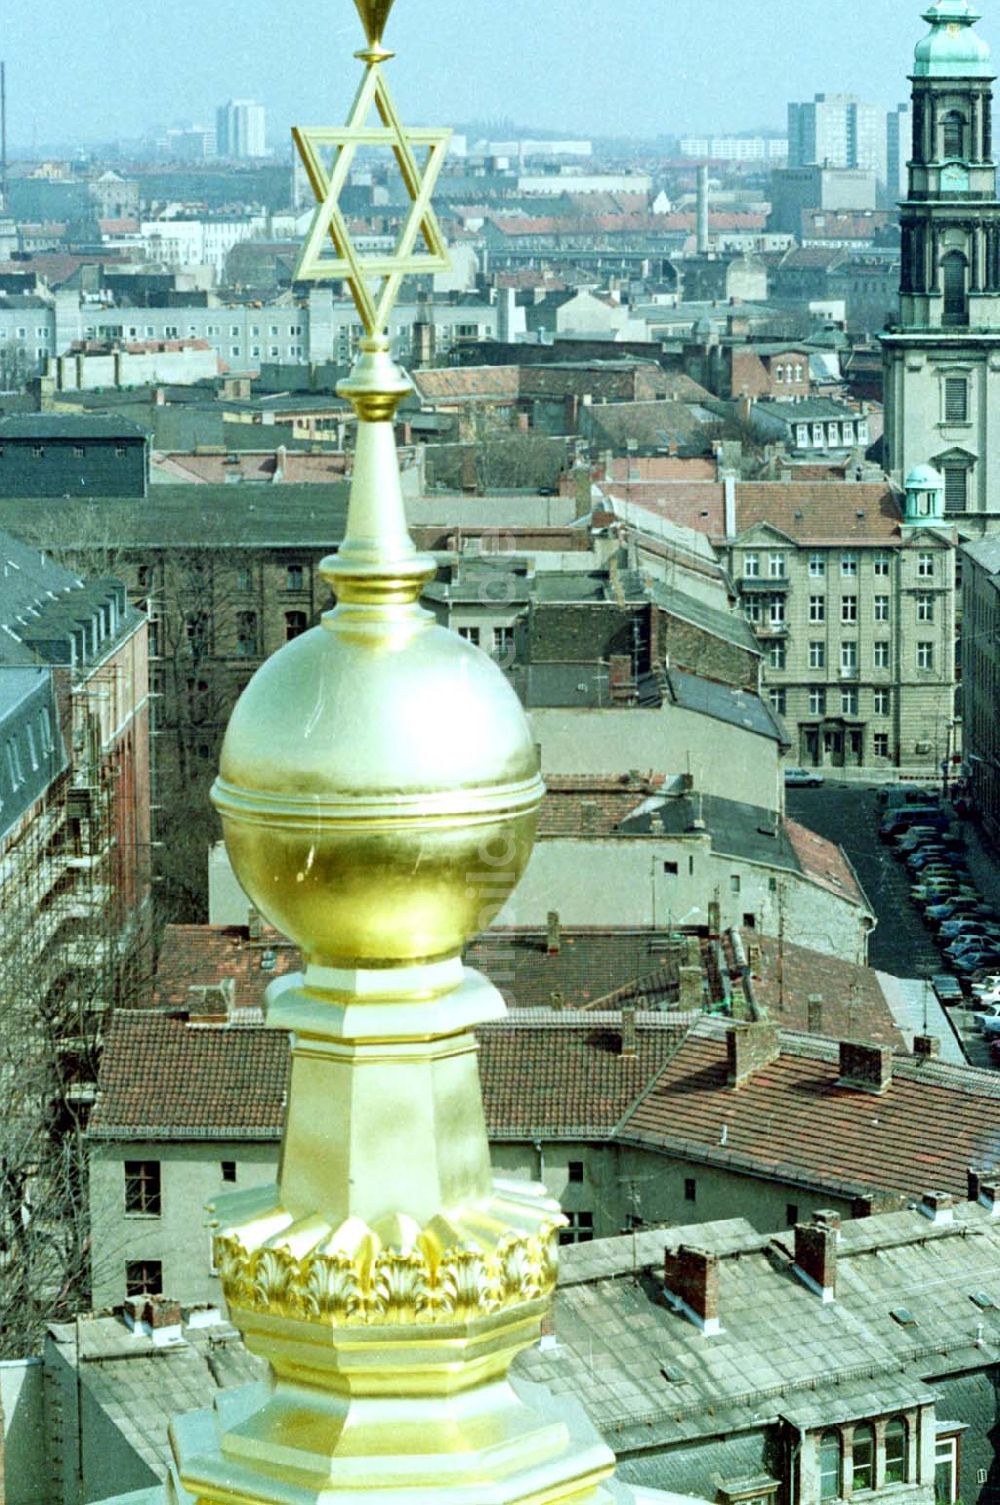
[503,644]
[734,883]
[142,1188]
[925,655]
[945,1470]
[798,371]
[779,373]
[690,1189]
[246,634]
[802,435]
[956,399]
[895,1451]
[817,566]
[776,656]
[777,699]
[953,134]
[776,566]
[470,634]
[881,702]
[580,1229]
[228,1170]
[830,1453]
[880,748]
[880,655]
[956,302]
[849,609]
[955,487]
[294,577]
[925,565]
[925,608]
[817,702]
[849,564]
[863,1460]
[791,1214]
[848,702]
[817,655]
[670,869]
[749,920]
[751,609]
[751,566]
[880,563]
[880,609]
[817,608]
[849,657]
[143,1277]
[144,576]
[776,611]
[574,1171]
[14,764]
[819,434]
[295,624]
[38,450]
[244,580]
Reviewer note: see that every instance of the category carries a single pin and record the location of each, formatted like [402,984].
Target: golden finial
[378,790]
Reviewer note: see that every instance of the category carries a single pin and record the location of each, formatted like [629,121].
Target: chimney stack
[749,1048]
[253,923]
[690,987]
[926,1047]
[691,1282]
[938,1206]
[630,1039]
[816,1253]
[814,1006]
[552,943]
[989,1196]
[867,1067]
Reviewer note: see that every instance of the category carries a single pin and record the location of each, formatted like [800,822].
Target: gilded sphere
[378,789]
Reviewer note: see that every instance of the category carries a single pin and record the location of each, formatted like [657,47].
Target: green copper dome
[953,49]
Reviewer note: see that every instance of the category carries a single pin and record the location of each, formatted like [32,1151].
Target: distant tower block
[702,232]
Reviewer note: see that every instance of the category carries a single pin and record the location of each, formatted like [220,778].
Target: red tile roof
[792,1119]
[821,511]
[554,1073]
[823,861]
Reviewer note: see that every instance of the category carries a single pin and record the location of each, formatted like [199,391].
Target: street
[901,943]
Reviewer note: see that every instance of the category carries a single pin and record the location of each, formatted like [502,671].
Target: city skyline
[711,76]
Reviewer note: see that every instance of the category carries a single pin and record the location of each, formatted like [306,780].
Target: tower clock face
[954,178]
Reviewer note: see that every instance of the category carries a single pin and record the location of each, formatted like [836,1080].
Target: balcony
[770,630]
[851,672]
[755,585]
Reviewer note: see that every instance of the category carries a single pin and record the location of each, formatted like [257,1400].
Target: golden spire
[379,790]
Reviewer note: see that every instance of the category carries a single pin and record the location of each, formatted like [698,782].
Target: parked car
[809,777]
[971,940]
[995,1052]
[924,894]
[976,961]
[985,984]
[898,821]
[989,1022]
[950,930]
[918,836]
[947,988]
[959,907]
[893,796]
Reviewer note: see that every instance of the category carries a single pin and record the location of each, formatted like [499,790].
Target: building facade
[981,677]
[942,354]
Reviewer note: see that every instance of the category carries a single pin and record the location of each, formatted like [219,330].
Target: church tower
[942,358]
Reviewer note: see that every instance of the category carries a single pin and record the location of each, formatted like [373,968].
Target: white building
[838,130]
[240,129]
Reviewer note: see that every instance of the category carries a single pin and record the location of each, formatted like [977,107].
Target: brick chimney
[972,1184]
[939,1206]
[254,923]
[691,1281]
[552,940]
[814,1010]
[621,685]
[630,1039]
[867,1067]
[816,1253]
[749,1047]
[989,1196]
[926,1047]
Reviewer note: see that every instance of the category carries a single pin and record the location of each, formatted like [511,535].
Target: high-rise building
[240,129]
[898,134]
[942,356]
[837,130]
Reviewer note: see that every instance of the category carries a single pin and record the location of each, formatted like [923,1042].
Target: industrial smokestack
[702,211]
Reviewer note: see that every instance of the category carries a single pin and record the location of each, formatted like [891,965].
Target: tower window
[953,135]
[956,399]
[955,488]
[956,303]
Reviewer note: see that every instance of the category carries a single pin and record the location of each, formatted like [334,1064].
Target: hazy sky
[96,69]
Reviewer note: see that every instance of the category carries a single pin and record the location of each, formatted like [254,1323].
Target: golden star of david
[359,271]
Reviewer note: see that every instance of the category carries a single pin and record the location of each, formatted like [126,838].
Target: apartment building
[981,676]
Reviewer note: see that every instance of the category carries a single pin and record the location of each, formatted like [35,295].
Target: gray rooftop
[725,703]
[52,426]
